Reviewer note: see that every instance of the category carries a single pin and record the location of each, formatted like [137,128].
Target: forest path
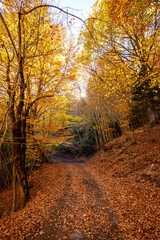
[83,211]
[67,202]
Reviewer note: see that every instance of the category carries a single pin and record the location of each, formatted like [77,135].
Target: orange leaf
[23,11]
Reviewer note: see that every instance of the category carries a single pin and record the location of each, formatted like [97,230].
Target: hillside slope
[129,170]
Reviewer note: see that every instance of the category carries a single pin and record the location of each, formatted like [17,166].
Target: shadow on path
[68,160]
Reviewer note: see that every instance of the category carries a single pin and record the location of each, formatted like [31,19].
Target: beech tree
[35,67]
[121,49]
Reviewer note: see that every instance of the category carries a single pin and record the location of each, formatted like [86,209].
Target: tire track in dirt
[83,212]
[100,206]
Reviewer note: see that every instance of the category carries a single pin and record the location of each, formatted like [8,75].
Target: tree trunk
[19,132]
[19,171]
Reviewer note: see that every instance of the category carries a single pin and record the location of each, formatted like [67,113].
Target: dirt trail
[66,202]
[83,211]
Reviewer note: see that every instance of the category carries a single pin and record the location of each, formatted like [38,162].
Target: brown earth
[113,195]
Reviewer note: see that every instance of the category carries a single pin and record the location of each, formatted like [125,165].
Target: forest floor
[113,195]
